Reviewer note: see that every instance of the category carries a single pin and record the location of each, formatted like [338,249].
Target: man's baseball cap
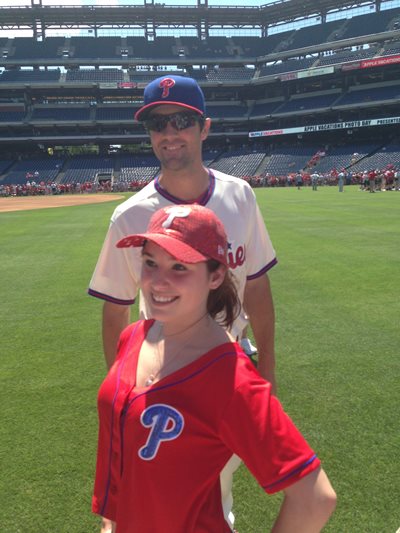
[173,90]
[190,233]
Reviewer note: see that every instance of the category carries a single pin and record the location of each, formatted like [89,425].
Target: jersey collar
[202,200]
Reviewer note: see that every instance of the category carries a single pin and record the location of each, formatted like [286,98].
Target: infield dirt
[22,203]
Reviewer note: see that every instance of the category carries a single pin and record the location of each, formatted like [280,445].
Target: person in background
[372,178]
[299,180]
[314,180]
[341,178]
[163,442]
[397,180]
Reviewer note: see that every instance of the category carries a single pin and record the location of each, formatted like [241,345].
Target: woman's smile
[162,299]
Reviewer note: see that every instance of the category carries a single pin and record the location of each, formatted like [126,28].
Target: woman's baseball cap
[174,90]
[190,233]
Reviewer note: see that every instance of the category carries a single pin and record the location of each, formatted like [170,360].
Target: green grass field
[336,292]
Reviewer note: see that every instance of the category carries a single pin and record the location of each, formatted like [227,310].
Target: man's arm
[107,526]
[307,505]
[115,319]
[259,307]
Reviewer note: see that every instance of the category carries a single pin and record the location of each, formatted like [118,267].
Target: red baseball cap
[190,233]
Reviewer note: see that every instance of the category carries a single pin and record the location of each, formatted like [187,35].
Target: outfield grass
[337,305]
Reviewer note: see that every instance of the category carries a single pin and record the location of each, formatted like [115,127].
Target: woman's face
[176,293]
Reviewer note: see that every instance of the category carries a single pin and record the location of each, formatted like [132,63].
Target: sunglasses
[179,121]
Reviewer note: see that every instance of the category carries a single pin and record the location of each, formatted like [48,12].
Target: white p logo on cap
[173,212]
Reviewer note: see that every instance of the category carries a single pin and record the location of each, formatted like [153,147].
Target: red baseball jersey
[161,448]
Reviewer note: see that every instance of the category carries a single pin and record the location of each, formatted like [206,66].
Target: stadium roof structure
[151,15]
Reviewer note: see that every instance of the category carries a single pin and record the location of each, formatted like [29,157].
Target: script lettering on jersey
[166,424]
[236,258]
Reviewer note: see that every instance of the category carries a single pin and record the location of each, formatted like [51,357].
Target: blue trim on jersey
[108,298]
[112,423]
[293,473]
[210,191]
[202,200]
[263,270]
[174,384]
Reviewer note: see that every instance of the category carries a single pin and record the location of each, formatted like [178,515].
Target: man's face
[178,149]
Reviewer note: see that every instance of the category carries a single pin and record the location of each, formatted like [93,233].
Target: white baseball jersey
[250,252]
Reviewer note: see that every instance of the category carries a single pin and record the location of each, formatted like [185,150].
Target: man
[341,178]
[372,177]
[174,116]
[314,180]
[299,180]
[397,180]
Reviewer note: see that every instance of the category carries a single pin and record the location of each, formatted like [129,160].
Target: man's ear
[206,129]
[217,277]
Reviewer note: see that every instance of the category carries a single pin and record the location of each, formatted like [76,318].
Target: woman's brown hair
[224,299]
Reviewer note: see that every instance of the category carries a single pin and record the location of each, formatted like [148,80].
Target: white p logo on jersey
[166,423]
[173,212]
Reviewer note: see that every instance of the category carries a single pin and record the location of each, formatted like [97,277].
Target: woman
[182,398]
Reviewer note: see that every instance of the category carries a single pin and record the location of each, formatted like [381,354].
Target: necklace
[162,365]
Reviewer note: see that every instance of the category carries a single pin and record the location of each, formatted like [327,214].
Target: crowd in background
[31,188]
[380,179]
[386,179]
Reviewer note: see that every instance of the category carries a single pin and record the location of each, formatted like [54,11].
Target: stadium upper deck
[76,89]
[374,28]
[151,15]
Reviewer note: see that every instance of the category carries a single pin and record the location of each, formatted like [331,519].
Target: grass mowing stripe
[51,367]
[337,336]
[337,306]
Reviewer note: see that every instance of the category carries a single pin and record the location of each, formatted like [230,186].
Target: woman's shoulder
[231,361]
[136,329]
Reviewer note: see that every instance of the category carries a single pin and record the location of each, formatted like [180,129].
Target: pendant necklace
[155,374]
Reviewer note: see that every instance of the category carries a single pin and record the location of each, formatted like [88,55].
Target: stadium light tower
[38,26]
[203,27]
